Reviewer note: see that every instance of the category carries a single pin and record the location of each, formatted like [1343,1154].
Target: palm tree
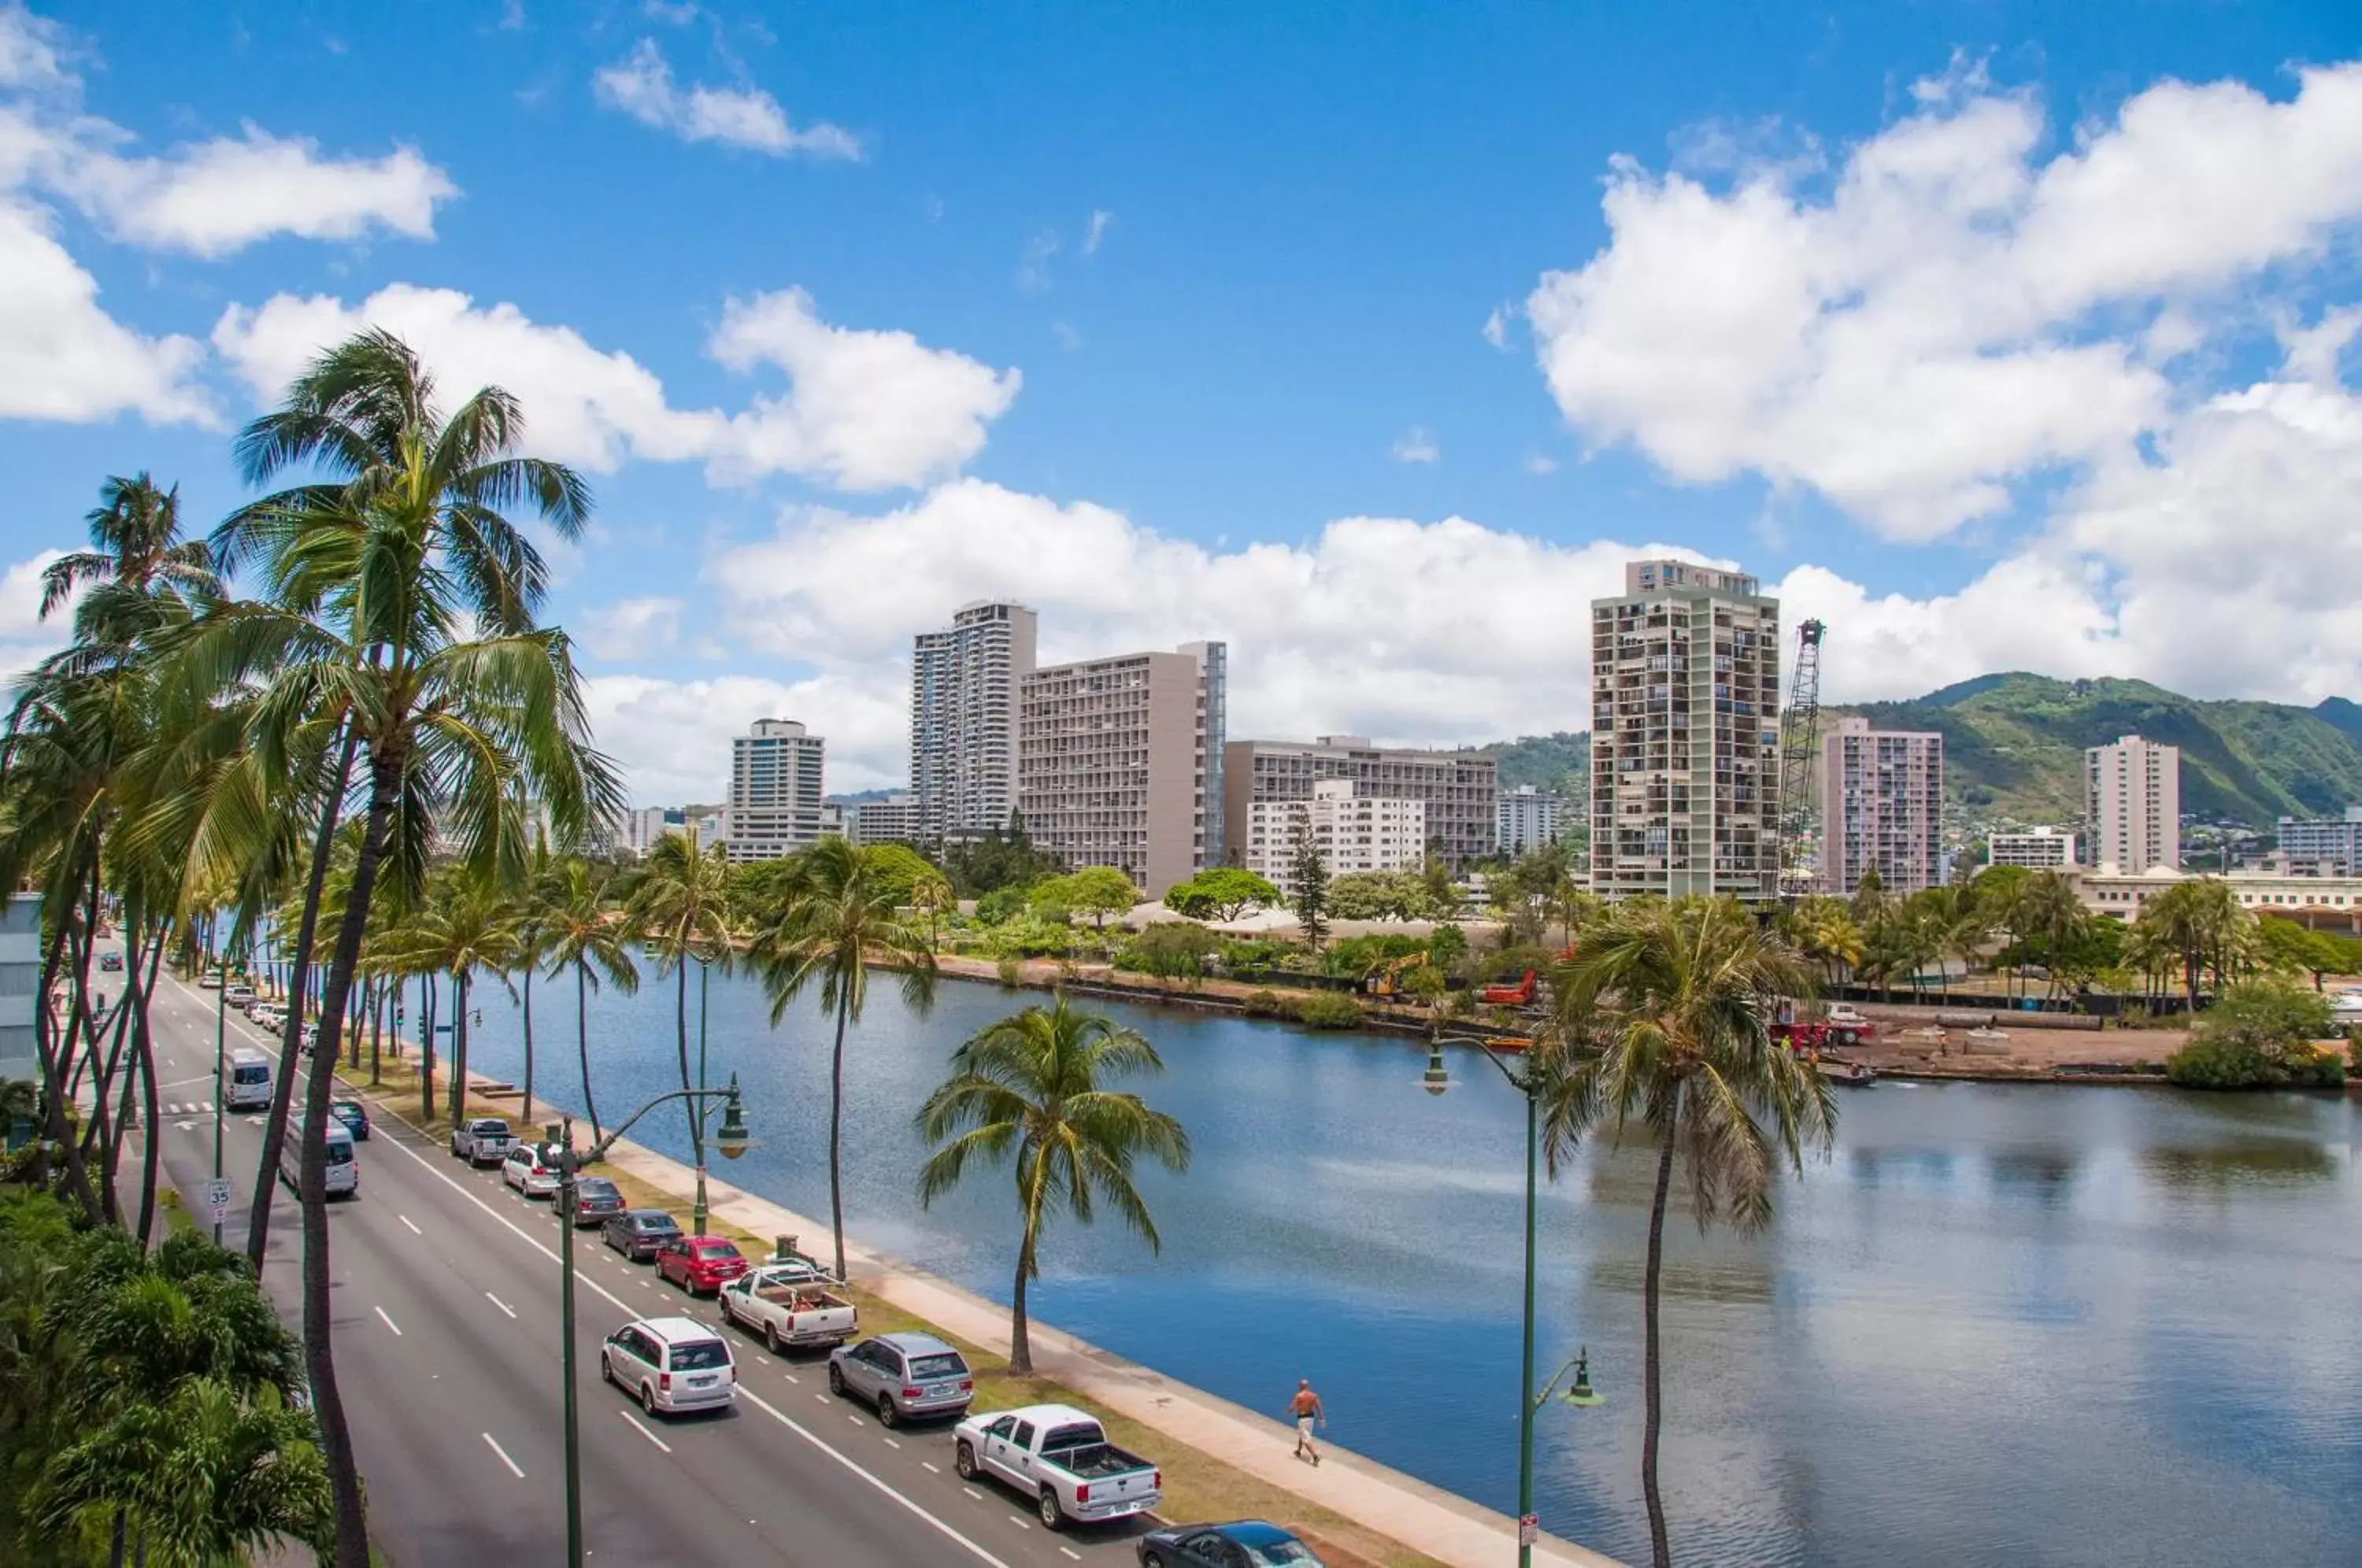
[401,601]
[826,936]
[588,934]
[463,926]
[680,908]
[1663,1027]
[1033,1084]
[135,545]
[530,911]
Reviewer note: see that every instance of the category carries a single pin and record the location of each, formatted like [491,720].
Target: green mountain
[1559,763]
[2014,745]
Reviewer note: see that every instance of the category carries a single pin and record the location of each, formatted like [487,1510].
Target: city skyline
[848,333]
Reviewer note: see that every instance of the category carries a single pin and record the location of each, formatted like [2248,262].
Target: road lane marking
[1070,1551]
[792,1378]
[973,1493]
[891,1444]
[501,1304]
[413,1229]
[1019,1521]
[930,1465]
[504,1454]
[389,1322]
[649,1435]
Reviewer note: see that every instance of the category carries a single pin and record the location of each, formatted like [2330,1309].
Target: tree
[1170,950]
[2200,921]
[2285,947]
[999,860]
[136,547]
[464,925]
[1219,892]
[825,940]
[401,601]
[1098,891]
[1308,877]
[2260,1034]
[1662,1030]
[1030,1090]
[588,934]
[680,908]
[1379,895]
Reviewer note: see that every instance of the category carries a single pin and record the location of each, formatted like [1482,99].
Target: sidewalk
[1427,1518]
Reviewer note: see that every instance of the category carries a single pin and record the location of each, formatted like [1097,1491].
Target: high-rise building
[2323,846]
[20,985]
[1882,807]
[1523,818]
[2042,849]
[774,792]
[964,715]
[1119,762]
[639,830]
[1459,788]
[894,820]
[1353,831]
[2131,805]
[1684,735]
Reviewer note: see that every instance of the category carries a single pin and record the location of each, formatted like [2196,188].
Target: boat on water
[1853,1074]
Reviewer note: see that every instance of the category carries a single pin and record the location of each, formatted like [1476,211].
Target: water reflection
[2002,1325]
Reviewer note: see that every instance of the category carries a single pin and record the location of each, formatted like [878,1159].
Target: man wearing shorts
[1306,1408]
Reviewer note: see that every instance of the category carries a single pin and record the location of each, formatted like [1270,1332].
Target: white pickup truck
[790,1305]
[1061,1458]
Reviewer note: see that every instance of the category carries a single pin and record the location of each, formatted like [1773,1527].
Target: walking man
[1306,1408]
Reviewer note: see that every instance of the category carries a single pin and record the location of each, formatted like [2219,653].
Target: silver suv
[902,1374]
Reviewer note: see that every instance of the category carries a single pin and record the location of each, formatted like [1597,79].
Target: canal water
[2003,1324]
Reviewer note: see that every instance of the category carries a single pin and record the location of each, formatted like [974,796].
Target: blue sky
[1371,338]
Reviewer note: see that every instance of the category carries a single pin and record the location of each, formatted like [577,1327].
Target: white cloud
[1417,446]
[1497,327]
[220,196]
[1094,232]
[864,410]
[642,86]
[1935,326]
[672,737]
[24,638]
[1542,463]
[1033,263]
[631,628]
[62,357]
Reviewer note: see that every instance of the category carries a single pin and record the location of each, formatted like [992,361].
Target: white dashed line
[792,1378]
[891,1444]
[929,1465]
[389,1322]
[649,1435]
[413,1229]
[501,1304]
[973,1493]
[504,1453]
[1020,1523]
[1070,1551]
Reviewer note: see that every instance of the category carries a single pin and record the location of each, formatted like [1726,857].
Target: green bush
[1239,957]
[1322,1009]
[2223,1064]
[1263,1004]
[1169,950]
[1001,906]
[1011,972]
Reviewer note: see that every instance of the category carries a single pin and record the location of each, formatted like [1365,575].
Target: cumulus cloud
[864,410]
[220,196]
[1947,313]
[1417,446]
[1095,231]
[24,638]
[672,737]
[642,86]
[631,628]
[62,357]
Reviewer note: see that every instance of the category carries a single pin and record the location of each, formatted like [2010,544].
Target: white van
[344,1164]
[246,1081]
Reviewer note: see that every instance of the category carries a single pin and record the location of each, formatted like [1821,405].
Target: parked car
[790,1305]
[482,1141]
[901,1375]
[267,1015]
[701,1265]
[531,1168]
[1246,1543]
[596,1200]
[669,1366]
[1061,1458]
[238,994]
[640,1234]
[210,980]
[110,962]
[354,1115]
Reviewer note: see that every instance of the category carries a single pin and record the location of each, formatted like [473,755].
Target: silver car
[901,1375]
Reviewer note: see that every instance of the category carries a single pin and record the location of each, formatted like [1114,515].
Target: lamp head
[733,1140]
[1435,1080]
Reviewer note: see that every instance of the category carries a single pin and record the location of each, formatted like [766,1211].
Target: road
[446,1291]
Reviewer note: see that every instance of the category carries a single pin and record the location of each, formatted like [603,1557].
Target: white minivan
[245,1082]
[344,1174]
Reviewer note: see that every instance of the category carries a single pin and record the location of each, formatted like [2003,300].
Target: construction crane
[1800,732]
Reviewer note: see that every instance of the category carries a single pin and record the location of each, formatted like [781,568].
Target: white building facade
[1524,819]
[2041,849]
[2131,804]
[1881,808]
[964,684]
[2323,846]
[774,792]
[1353,832]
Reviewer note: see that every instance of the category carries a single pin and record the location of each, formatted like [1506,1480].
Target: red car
[701,1265]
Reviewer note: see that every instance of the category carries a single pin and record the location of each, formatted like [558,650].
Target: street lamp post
[732,1141]
[1436,1080]
[697,1107]
[221,1067]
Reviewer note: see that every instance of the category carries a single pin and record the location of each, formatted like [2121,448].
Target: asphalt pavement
[447,1316]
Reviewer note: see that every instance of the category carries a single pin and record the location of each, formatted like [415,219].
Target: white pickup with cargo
[791,1305]
[1061,1458]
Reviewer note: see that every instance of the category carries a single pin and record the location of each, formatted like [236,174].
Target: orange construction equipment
[1518,995]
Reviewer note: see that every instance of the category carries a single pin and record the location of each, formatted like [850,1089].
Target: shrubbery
[1169,950]
[2260,1035]
[1263,1004]
[1324,1010]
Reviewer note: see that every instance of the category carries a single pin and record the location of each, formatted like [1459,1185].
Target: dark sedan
[640,1234]
[596,1200]
[354,1115]
[1244,1543]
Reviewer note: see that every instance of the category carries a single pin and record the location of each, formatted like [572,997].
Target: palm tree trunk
[381,995]
[1021,1344]
[458,1044]
[528,1045]
[582,1041]
[427,1050]
[837,1140]
[283,1088]
[1651,1371]
[152,1152]
[319,1351]
[45,1048]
